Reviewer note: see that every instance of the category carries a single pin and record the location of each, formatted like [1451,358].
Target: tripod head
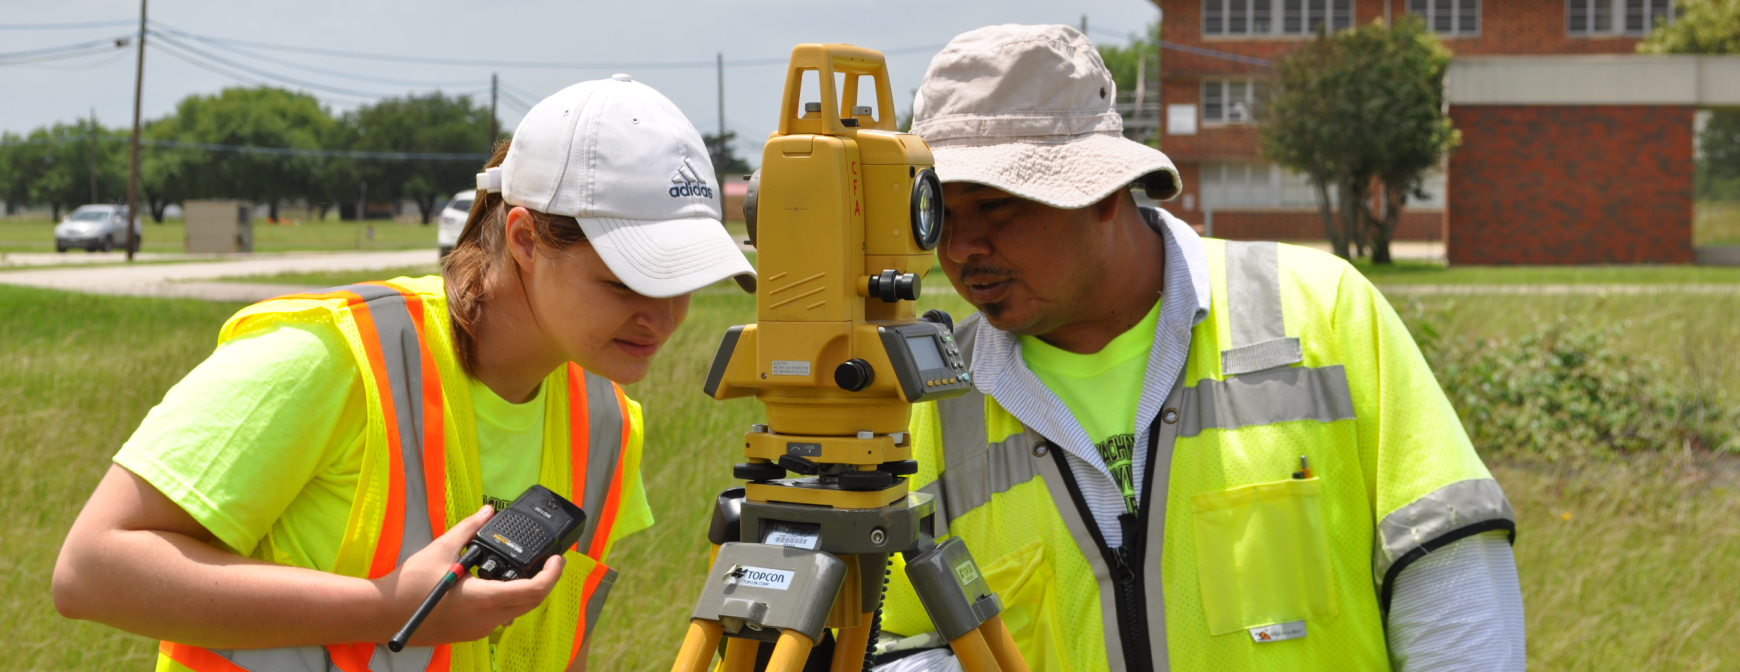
[848,212]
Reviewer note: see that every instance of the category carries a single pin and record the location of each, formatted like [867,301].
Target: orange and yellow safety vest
[420,476]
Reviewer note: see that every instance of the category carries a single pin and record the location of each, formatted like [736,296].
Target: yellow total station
[846,214]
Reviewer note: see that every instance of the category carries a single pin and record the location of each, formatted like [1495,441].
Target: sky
[598,38]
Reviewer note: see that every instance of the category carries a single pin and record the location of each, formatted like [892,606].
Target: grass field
[23,235]
[1626,563]
[1716,223]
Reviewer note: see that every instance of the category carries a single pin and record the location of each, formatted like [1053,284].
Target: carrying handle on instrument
[825,60]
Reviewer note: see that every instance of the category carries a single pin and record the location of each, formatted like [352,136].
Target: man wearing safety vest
[1182,453]
[295,497]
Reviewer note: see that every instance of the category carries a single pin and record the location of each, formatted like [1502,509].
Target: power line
[648,65]
[62,56]
[120,41]
[264,73]
[75,68]
[323,71]
[67,26]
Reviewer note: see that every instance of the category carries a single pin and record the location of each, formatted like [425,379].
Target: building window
[1451,18]
[1274,17]
[1616,17]
[1230,101]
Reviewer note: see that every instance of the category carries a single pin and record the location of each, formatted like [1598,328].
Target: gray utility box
[219,226]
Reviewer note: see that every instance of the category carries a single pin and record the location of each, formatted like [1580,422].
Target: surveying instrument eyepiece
[845,213]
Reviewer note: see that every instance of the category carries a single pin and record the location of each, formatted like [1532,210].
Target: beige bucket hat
[1028,109]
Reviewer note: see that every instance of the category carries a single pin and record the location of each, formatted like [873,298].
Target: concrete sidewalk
[172,279]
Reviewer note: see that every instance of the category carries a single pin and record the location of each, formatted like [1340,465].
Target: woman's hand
[473,607]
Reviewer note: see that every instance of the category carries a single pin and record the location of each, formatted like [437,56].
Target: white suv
[453,221]
[95,227]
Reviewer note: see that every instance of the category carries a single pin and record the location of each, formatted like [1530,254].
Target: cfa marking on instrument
[783,367]
[761,577]
[1278,632]
[967,572]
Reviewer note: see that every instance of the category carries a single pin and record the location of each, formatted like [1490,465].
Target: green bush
[1563,391]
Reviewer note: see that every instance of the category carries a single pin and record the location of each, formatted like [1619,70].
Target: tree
[725,159]
[1298,129]
[1362,109]
[431,123]
[55,165]
[1699,27]
[256,117]
[1708,27]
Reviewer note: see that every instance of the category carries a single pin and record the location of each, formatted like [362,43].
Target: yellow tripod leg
[739,655]
[850,645]
[973,653]
[1002,645]
[698,646]
[790,654]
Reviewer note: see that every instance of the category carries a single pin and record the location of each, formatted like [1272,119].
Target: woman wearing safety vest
[295,497]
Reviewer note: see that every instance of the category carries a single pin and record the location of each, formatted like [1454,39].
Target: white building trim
[1602,79]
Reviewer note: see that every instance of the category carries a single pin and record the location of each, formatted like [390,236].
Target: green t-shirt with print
[1101,390]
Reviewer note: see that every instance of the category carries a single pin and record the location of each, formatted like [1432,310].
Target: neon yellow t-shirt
[262,443]
[1101,390]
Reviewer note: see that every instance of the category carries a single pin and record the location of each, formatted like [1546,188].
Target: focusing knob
[892,286]
[940,317]
[854,375]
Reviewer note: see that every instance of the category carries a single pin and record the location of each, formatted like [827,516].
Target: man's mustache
[980,273]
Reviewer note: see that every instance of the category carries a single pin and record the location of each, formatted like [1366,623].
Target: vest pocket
[1262,555]
[1024,581]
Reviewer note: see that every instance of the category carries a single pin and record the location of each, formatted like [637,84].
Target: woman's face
[590,317]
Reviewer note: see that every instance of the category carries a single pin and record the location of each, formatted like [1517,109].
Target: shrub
[1563,391]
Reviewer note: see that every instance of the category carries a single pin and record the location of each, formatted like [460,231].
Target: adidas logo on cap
[689,183]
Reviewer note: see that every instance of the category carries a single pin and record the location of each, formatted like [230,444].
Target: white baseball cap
[620,158]
[1028,109]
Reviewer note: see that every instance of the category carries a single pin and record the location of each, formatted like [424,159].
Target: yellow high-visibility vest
[420,476]
[1234,563]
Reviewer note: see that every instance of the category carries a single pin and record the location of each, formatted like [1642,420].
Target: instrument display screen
[925,352]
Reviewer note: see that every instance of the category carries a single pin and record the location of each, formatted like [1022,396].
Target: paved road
[194,279]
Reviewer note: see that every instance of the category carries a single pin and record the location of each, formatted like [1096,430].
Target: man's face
[1029,267]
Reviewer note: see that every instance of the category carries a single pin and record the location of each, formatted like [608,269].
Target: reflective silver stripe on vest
[290,658]
[1258,330]
[1456,506]
[604,424]
[1265,398]
[974,469]
[401,355]
[595,605]
[401,351]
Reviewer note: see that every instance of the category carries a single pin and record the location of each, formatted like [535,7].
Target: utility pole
[721,150]
[1084,24]
[494,126]
[93,135]
[362,210]
[133,165]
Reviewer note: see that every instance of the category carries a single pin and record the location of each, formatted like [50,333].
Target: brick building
[1575,150]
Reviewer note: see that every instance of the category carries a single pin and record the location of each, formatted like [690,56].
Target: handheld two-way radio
[512,545]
